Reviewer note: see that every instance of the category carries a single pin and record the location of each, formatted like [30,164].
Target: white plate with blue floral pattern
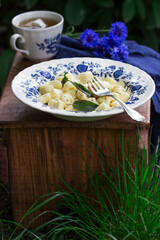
[25,85]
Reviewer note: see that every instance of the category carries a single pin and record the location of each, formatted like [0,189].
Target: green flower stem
[77,35]
[72,35]
[102,31]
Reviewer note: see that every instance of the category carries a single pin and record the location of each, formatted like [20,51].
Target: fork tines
[96,84]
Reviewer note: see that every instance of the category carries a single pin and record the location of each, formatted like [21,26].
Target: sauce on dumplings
[48,22]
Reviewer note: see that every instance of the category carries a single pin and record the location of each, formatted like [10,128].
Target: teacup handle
[13,40]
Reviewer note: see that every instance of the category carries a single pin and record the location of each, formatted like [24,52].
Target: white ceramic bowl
[26,84]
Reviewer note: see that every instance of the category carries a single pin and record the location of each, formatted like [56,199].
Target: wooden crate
[39,146]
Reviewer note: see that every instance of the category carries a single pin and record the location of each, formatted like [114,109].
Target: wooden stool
[39,145]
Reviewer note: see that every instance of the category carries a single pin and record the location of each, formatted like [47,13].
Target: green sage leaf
[77,85]
[84,105]
[82,88]
[65,79]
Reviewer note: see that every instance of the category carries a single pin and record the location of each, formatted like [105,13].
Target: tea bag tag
[38,23]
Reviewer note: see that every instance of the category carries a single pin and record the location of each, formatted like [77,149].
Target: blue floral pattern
[50,45]
[138,83]
[118,73]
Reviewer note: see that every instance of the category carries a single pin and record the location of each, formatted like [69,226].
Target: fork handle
[131,112]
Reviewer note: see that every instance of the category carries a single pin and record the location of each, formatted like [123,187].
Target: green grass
[125,204]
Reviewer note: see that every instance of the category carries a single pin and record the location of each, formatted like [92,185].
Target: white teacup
[39,43]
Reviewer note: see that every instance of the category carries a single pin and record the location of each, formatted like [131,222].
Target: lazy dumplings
[63,96]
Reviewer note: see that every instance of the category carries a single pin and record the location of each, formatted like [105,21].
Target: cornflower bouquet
[112,45]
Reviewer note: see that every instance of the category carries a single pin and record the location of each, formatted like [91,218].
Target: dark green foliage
[6,60]
[139,15]
[75,12]
[128,10]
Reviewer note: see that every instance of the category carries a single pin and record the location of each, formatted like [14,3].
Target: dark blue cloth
[140,56]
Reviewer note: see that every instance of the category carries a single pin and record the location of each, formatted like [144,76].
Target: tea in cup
[37,34]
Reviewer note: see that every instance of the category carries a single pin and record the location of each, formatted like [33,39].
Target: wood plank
[3,164]
[37,155]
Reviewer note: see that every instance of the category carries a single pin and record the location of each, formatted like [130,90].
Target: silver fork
[98,89]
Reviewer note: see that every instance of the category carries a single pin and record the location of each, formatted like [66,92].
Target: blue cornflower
[110,43]
[118,31]
[89,38]
[100,50]
[120,53]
